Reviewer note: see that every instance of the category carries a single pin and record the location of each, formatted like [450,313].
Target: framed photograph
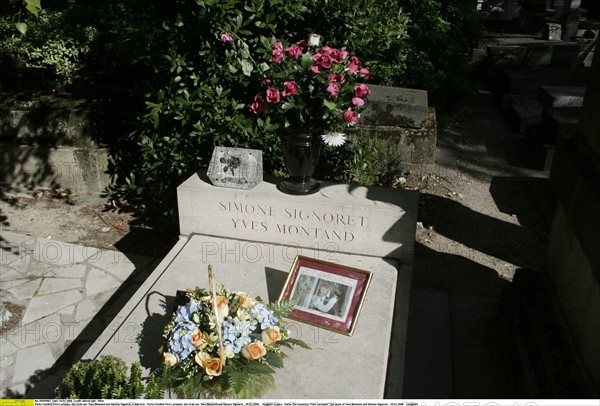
[327,295]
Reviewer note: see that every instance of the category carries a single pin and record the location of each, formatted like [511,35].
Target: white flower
[334,138]
[314,40]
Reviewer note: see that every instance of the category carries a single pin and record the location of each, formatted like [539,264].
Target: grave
[251,237]
[561,96]
[393,106]
[403,118]
[559,123]
[524,113]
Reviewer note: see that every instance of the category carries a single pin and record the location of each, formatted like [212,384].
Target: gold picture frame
[327,295]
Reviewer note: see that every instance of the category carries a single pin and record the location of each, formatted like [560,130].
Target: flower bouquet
[307,85]
[225,344]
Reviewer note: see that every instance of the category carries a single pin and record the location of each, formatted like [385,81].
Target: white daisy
[334,138]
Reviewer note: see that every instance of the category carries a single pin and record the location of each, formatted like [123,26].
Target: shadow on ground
[454,347]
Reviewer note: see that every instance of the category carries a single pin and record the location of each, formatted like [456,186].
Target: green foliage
[202,92]
[442,34]
[374,30]
[104,378]
[196,89]
[53,41]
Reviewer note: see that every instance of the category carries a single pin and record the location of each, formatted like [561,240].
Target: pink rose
[333,89]
[361,91]
[350,116]
[345,54]
[273,95]
[316,68]
[354,65]
[226,37]
[364,73]
[259,105]
[334,53]
[332,77]
[324,61]
[291,88]
[294,51]
[357,101]
[342,79]
[278,55]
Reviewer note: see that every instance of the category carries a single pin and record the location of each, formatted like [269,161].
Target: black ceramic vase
[301,150]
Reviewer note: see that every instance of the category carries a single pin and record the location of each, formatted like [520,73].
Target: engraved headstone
[237,168]
[396,106]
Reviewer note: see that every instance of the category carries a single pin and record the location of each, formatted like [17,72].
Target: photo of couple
[323,294]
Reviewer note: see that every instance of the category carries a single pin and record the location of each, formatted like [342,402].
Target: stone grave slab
[396,106]
[559,123]
[561,96]
[359,361]
[252,237]
[372,221]
[528,80]
[524,113]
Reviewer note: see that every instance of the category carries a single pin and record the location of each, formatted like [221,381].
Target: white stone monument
[251,238]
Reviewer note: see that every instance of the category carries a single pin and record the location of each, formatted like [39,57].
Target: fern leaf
[288,342]
[282,308]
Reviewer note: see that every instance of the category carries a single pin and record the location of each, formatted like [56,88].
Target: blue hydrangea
[185,312]
[263,316]
[236,333]
[180,341]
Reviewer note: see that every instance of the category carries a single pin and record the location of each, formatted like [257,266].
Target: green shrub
[374,30]
[442,34]
[54,41]
[104,378]
[202,91]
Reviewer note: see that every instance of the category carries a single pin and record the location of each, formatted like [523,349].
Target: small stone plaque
[237,168]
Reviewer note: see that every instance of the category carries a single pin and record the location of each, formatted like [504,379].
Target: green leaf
[306,60]
[275,359]
[329,104]
[288,342]
[33,6]
[247,67]
[22,28]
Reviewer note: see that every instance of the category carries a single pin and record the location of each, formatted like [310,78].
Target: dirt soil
[61,216]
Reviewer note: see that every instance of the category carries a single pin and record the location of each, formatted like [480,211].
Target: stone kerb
[371,221]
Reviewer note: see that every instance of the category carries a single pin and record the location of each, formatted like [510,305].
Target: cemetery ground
[482,216]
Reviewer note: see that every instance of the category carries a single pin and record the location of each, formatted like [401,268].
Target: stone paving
[52,290]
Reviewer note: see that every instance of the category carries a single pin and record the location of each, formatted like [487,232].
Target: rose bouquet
[307,85]
[225,344]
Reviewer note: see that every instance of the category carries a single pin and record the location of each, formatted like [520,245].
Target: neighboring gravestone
[561,96]
[237,168]
[395,106]
[552,32]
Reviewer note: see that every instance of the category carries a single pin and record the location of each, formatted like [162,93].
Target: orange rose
[245,299]
[198,340]
[271,336]
[254,350]
[212,366]
[222,307]
[170,359]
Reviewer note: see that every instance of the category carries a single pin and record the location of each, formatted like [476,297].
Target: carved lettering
[307,221]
